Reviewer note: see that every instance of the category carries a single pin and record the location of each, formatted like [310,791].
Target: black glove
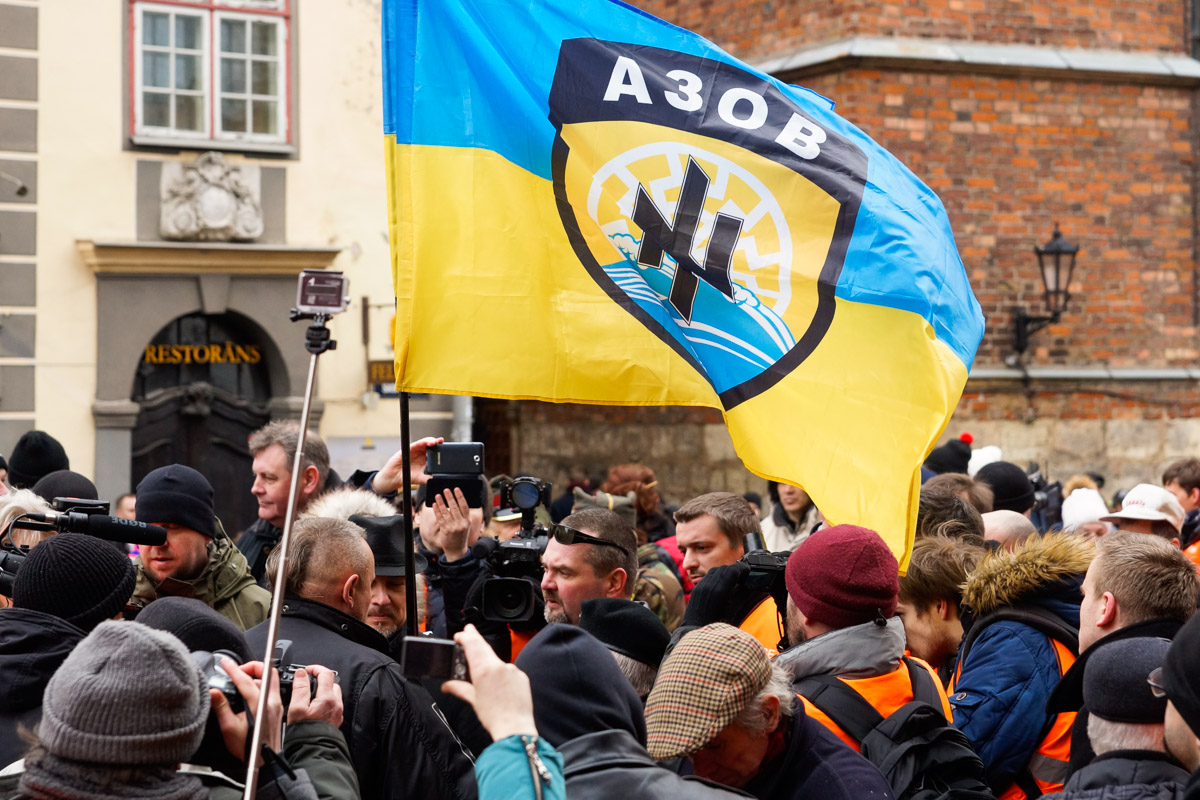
[721,596]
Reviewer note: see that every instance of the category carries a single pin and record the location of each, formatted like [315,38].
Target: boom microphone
[114,529]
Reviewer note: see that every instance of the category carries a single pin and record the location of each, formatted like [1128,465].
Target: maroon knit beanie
[843,576]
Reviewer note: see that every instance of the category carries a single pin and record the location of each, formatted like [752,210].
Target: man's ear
[771,707]
[309,481]
[349,588]
[945,609]
[617,584]
[1108,612]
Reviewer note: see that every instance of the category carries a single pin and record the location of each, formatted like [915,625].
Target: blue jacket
[1001,688]
[505,772]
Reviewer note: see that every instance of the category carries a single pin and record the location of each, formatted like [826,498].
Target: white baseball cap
[1147,501]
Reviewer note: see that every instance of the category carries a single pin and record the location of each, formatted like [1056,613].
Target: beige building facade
[166,170]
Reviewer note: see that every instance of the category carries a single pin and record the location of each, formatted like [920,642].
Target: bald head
[1008,528]
[329,562]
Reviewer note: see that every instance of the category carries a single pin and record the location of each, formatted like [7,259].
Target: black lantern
[1056,261]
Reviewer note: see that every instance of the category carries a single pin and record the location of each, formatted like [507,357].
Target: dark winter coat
[612,764]
[400,746]
[1192,790]
[999,697]
[32,646]
[1068,694]
[1127,775]
[817,764]
[588,710]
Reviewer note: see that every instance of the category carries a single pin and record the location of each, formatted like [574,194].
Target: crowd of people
[725,646]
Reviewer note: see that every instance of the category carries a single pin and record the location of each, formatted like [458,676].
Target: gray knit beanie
[126,695]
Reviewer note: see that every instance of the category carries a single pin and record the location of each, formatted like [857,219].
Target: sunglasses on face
[564,534]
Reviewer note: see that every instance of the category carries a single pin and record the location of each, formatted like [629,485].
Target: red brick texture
[758,29]
[1113,165]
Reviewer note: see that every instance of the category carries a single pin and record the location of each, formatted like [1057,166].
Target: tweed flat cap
[702,686]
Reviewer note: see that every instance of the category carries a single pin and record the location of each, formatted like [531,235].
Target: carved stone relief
[210,201]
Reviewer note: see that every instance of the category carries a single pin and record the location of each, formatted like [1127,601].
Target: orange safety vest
[763,624]
[1192,551]
[887,693]
[519,639]
[1047,769]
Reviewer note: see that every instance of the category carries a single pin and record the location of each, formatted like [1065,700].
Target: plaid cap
[702,686]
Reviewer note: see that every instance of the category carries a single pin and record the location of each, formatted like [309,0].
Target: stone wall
[1126,432]
[688,448]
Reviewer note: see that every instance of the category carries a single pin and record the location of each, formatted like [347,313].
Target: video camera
[71,515]
[766,568]
[513,594]
[1047,500]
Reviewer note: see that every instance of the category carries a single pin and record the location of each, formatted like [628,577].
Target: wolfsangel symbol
[675,211]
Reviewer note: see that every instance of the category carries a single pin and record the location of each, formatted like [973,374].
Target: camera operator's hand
[498,692]
[235,728]
[721,596]
[316,696]
[453,517]
[391,475]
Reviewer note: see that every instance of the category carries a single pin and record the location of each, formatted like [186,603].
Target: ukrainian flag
[587,204]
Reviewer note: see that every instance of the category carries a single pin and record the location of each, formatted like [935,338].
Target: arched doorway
[203,386]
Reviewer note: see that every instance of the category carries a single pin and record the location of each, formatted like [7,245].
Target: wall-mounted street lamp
[1056,260]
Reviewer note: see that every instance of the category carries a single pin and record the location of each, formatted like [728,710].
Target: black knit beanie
[37,453]
[179,495]
[1011,486]
[1181,678]
[78,578]
[65,483]
[196,625]
[626,627]
[953,456]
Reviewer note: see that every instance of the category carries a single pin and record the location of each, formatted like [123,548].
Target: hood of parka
[1041,567]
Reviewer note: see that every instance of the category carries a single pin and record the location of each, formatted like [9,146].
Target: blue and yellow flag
[590,205]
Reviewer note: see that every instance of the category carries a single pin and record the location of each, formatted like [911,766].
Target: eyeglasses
[1156,683]
[564,534]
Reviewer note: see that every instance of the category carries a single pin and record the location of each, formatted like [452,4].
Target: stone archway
[142,288]
[203,387]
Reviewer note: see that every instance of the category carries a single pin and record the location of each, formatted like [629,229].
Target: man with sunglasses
[592,553]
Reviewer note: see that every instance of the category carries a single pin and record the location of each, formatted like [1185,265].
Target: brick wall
[757,29]
[1112,164]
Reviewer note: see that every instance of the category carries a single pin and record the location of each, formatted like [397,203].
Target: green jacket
[227,585]
[316,747]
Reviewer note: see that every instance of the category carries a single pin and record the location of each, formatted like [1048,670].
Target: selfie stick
[410,559]
[316,341]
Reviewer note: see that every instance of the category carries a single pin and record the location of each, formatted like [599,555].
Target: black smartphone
[438,659]
[471,485]
[455,458]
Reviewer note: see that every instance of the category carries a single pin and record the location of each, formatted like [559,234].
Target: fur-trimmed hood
[1003,578]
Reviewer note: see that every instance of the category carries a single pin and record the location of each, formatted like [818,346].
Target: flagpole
[410,559]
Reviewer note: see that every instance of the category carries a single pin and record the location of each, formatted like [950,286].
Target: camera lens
[524,494]
[508,599]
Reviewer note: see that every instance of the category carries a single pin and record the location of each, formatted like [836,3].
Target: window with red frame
[210,71]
